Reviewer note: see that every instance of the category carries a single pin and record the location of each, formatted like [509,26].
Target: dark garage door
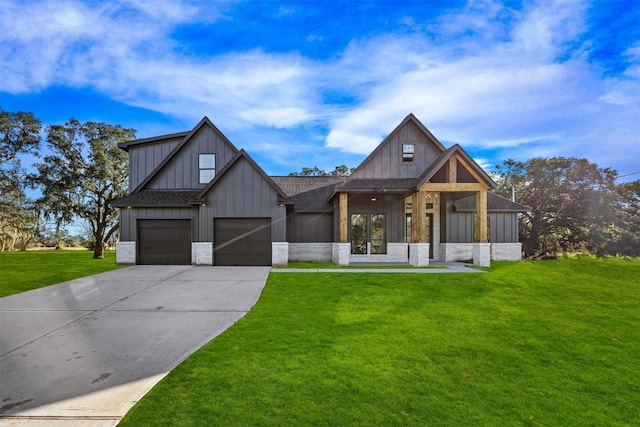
[242,241]
[164,241]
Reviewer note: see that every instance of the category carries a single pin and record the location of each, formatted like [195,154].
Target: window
[378,234]
[408,150]
[207,167]
[359,234]
[361,226]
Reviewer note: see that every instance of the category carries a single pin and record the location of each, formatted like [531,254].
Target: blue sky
[323,82]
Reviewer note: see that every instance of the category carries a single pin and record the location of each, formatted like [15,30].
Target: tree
[341,170]
[85,173]
[574,203]
[19,220]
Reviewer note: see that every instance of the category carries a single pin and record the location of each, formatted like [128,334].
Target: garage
[164,241]
[242,241]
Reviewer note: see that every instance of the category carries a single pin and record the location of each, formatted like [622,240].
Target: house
[196,199]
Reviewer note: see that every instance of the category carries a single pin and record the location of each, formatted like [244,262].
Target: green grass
[24,271]
[551,343]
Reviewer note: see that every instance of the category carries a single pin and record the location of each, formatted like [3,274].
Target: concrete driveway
[82,353]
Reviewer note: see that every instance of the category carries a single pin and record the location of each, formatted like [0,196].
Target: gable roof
[204,122]
[410,118]
[443,158]
[283,198]
[495,203]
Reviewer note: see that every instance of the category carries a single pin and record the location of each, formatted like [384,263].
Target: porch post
[481,249]
[341,250]
[481,217]
[418,217]
[343,208]
[419,248]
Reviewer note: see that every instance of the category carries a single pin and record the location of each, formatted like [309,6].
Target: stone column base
[419,254]
[202,253]
[482,254]
[340,253]
[279,253]
[126,253]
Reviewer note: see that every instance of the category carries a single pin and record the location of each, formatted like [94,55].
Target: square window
[408,151]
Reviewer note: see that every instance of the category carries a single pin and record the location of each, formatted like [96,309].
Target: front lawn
[24,271]
[545,343]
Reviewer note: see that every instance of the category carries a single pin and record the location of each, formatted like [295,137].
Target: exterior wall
[396,253]
[202,253]
[456,251]
[182,171]
[143,159]
[503,227]
[506,251]
[129,217]
[386,160]
[242,192]
[125,252]
[392,206]
[309,227]
[458,226]
[314,252]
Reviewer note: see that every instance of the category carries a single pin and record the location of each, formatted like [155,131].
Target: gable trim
[204,122]
[467,162]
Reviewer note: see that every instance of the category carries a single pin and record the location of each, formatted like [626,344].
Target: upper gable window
[207,167]
[408,151]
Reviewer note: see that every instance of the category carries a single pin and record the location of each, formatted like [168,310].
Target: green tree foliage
[19,220]
[341,170]
[575,205]
[84,174]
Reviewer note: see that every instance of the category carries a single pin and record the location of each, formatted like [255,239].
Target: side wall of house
[305,227]
[386,162]
[242,193]
[183,169]
[459,226]
[129,217]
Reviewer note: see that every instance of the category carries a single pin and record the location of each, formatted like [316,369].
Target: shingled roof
[156,198]
[309,193]
[495,203]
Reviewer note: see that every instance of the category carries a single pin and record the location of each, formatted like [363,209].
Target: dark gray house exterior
[196,199]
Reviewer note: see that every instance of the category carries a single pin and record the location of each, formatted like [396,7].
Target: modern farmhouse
[196,199]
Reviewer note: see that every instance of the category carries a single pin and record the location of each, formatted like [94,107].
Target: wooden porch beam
[453,187]
[481,217]
[418,217]
[453,170]
[343,209]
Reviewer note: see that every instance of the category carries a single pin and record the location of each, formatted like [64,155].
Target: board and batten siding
[503,227]
[143,159]
[243,193]
[183,169]
[386,162]
[129,217]
[310,227]
[391,205]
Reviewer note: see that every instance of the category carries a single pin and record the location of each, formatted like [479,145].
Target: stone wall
[315,252]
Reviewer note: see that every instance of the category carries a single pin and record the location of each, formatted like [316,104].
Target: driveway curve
[85,351]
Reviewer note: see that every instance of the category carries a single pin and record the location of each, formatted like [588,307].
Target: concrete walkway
[83,352]
[435,267]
